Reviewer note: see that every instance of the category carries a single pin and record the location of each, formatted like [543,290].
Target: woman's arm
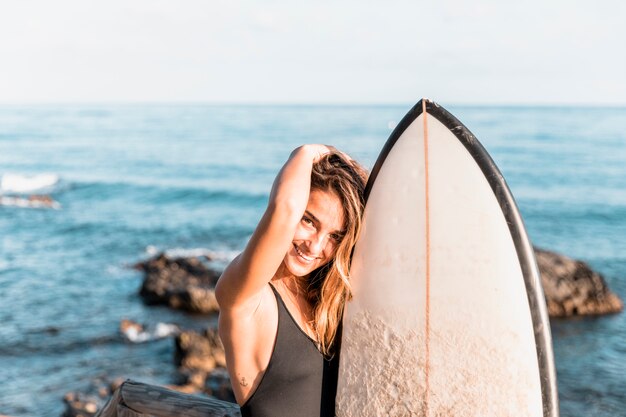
[245,277]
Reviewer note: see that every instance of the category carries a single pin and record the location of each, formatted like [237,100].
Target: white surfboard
[448,316]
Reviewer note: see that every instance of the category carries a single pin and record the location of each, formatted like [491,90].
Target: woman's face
[318,234]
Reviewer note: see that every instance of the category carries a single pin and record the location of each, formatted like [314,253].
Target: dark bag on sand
[135,399]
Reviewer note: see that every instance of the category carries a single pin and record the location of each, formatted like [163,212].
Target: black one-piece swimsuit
[299,381]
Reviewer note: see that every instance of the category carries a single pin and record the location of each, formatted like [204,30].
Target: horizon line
[307,103]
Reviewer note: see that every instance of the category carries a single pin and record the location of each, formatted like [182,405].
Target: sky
[334,52]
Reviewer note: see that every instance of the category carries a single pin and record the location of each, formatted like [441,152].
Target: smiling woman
[282,298]
[317,235]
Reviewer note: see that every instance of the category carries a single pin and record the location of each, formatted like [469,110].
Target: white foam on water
[137,334]
[225,256]
[152,250]
[220,258]
[165,329]
[18,183]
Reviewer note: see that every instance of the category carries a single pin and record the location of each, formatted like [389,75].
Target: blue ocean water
[133,179]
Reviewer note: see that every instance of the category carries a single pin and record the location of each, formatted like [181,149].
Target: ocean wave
[163,194]
[41,342]
[225,256]
[605,215]
[21,184]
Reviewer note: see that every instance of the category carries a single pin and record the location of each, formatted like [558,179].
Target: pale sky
[276,51]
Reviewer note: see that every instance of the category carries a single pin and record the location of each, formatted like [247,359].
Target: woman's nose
[316,244]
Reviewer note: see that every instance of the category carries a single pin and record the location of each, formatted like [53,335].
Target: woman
[282,298]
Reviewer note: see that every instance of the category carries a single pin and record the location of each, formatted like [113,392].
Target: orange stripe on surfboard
[427,210]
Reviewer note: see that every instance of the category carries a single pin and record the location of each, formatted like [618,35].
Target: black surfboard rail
[523,246]
[136,399]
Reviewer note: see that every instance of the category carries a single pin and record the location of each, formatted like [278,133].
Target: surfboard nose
[458,311]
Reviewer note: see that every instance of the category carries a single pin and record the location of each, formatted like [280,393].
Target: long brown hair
[329,286]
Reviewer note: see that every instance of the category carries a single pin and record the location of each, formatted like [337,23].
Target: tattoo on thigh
[243,382]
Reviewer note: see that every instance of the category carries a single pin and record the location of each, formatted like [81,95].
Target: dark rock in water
[218,385]
[215,383]
[182,283]
[199,352]
[202,363]
[87,402]
[80,405]
[572,288]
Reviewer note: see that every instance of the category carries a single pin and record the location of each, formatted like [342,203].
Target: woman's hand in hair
[243,281]
[318,151]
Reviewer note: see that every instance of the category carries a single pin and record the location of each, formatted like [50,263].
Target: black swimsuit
[298,381]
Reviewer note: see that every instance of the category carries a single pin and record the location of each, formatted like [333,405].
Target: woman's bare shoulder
[248,340]
[253,308]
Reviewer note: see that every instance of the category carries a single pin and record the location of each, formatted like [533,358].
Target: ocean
[133,180]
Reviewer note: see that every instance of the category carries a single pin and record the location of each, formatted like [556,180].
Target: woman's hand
[243,281]
[314,150]
[247,275]
[318,151]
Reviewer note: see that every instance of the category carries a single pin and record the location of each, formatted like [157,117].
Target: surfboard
[447,316]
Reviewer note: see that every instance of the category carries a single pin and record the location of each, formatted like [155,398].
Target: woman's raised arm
[245,277]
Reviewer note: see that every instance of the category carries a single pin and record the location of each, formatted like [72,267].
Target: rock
[88,401]
[571,288]
[130,329]
[202,364]
[80,405]
[182,283]
[199,352]
[216,384]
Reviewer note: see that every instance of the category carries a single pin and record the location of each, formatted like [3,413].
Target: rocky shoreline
[201,366]
[180,283]
[570,286]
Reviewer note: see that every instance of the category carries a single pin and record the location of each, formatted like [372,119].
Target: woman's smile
[307,259]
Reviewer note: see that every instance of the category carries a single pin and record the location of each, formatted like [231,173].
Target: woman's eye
[335,237]
[306,220]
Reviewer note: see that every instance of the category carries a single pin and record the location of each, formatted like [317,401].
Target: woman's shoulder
[248,339]
[253,308]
